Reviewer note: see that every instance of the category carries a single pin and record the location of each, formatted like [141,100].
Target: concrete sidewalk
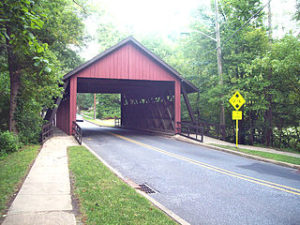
[208,141]
[212,141]
[45,196]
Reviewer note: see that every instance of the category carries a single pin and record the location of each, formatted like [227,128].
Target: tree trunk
[14,90]
[15,83]
[269,126]
[252,129]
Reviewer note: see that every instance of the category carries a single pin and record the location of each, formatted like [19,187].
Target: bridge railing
[47,132]
[77,132]
[190,130]
[117,122]
[201,128]
[213,130]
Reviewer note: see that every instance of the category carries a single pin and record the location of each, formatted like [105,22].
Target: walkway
[214,142]
[45,196]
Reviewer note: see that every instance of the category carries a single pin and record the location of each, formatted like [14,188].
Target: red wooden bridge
[150,89]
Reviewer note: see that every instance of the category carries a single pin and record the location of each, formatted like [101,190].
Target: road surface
[201,185]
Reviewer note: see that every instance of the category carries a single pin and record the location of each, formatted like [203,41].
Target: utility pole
[94,106]
[269,112]
[270,21]
[219,60]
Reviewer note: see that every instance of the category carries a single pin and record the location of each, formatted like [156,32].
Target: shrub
[9,142]
[29,121]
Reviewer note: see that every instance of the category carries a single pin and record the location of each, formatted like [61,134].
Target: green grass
[104,198]
[13,167]
[104,123]
[267,155]
[88,113]
[279,149]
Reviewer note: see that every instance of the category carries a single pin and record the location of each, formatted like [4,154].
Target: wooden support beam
[122,109]
[73,103]
[169,114]
[51,112]
[158,108]
[177,106]
[188,105]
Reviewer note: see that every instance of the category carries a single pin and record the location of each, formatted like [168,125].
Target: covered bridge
[150,89]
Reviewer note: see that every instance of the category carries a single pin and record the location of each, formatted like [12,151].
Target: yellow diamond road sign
[237,100]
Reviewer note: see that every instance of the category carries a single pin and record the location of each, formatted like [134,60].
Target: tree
[284,60]
[36,38]
[108,106]
[85,101]
[22,48]
[297,14]
[242,41]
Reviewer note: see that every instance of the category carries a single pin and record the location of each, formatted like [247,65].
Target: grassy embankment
[105,123]
[13,168]
[104,198]
[268,155]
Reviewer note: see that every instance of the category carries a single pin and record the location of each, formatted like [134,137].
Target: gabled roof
[188,85]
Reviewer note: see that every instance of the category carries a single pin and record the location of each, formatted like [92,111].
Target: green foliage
[29,121]
[109,35]
[9,142]
[4,98]
[85,101]
[266,74]
[63,31]
[108,106]
[39,39]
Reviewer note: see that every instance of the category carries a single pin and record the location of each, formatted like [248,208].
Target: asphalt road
[201,185]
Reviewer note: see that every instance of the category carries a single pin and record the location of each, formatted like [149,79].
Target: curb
[290,165]
[132,184]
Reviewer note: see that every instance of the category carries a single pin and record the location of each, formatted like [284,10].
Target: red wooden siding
[73,102]
[63,116]
[127,62]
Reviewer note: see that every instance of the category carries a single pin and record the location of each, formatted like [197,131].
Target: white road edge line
[167,211]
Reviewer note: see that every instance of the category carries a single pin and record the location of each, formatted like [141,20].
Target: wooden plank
[51,112]
[122,109]
[177,105]
[188,105]
[167,104]
[158,108]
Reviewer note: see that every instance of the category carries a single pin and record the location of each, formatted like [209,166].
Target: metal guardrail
[192,131]
[77,132]
[117,122]
[47,132]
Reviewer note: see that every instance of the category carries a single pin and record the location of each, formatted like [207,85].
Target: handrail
[47,132]
[77,132]
[190,130]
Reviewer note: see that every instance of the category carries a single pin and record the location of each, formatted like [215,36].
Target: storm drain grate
[145,188]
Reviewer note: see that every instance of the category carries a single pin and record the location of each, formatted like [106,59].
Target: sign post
[237,101]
